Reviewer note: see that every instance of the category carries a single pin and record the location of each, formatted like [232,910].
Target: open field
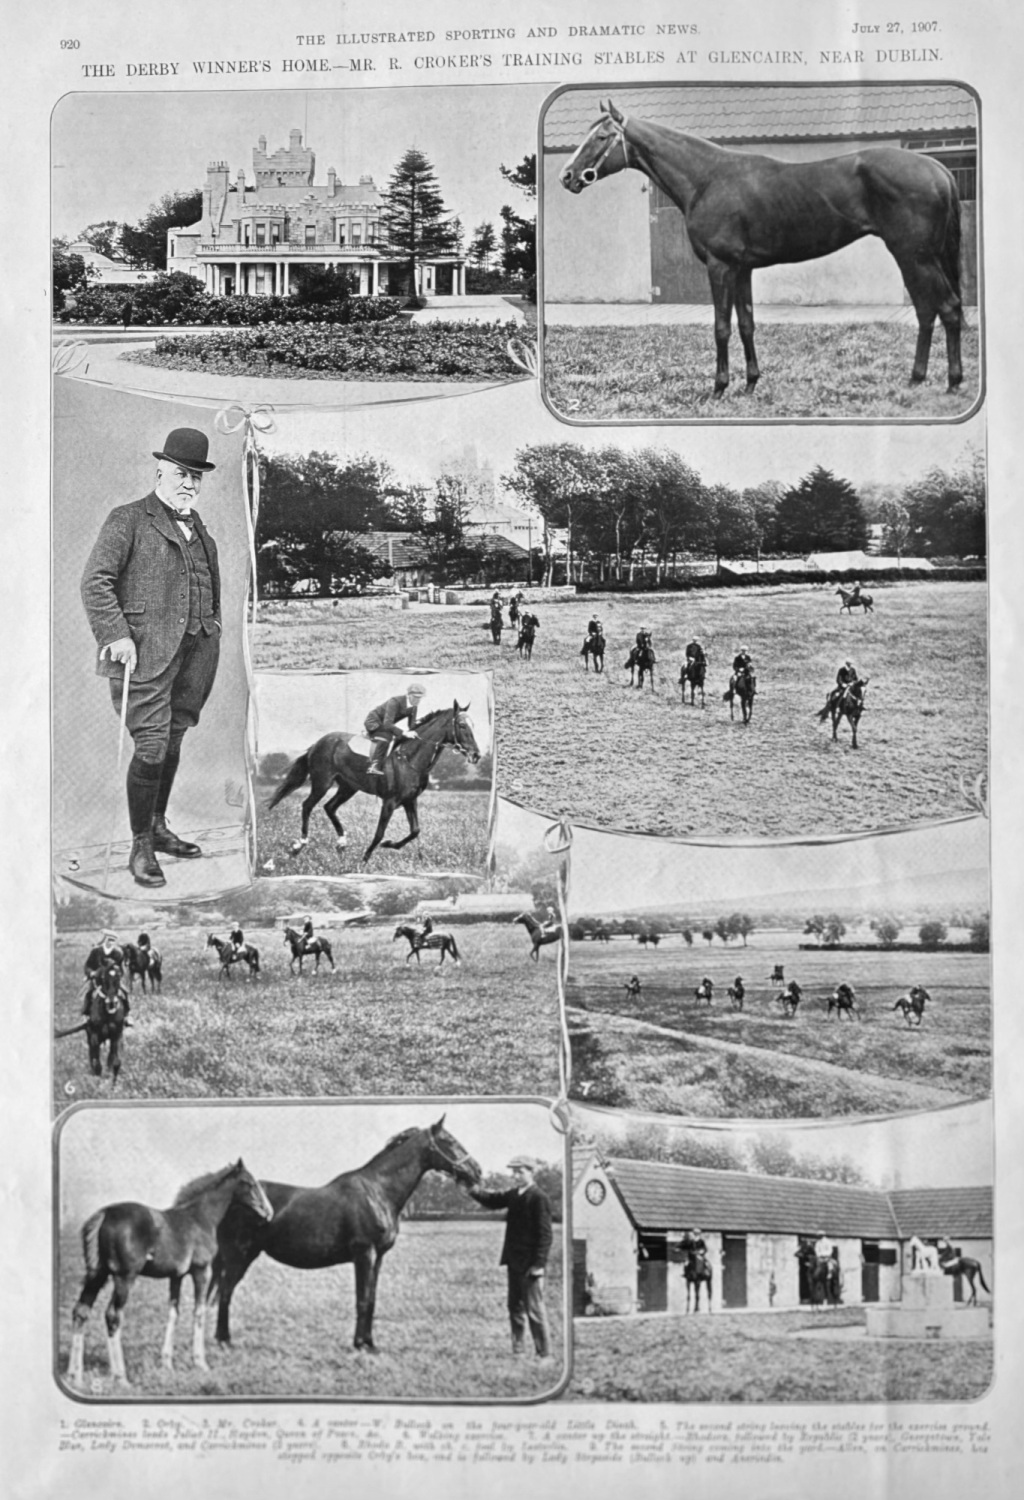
[747,1357]
[374,1025]
[664,1052]
[601,752]
[454,836]
[808,371]
[440,1324]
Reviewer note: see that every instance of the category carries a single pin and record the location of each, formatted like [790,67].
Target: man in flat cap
[151,590]
[385,723]
[524,1255]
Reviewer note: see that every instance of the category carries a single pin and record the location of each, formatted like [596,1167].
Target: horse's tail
[91,1241]
[984,1284]
[822,714]
[71,1030]
[455,948]
[298,772]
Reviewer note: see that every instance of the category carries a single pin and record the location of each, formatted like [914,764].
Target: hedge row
[179,301]
[969,574]
[410,351]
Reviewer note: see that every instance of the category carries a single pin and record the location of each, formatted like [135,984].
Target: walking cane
[120,761]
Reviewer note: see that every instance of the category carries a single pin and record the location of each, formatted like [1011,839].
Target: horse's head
[249,1192]
[211,941]
[464,740]
[290,934]
[445,1154]
[602,152]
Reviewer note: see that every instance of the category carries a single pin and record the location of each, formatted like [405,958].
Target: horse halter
[453,1163]
[616,135]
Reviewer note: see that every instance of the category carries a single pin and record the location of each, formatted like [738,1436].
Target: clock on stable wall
[595,1191]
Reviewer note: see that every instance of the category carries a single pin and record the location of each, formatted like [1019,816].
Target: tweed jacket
[136,584]
[528,1232]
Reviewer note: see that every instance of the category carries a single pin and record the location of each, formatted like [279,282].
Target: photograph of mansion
[252,235]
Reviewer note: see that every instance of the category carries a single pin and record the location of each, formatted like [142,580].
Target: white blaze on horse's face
[595,150]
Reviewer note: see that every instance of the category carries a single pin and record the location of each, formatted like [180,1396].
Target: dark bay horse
[418,940]
[697,1273]
[963,1265]
[228,955]
[742,685]
[317,948]
[540,935]
[128,1240]
[843,1000]
[354,1218]
[705,993]
[641,662]
[592,650]
[745,211]
[845,703]
[332,762]
[693,673]
[105,1022]
[145,961]
[790,998]
[527,635]
[737,993]
[824,1276]
[850,601]
[913,1005]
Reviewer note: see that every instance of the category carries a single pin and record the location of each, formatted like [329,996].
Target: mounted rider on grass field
[846,677]
[107,951]
[383,725]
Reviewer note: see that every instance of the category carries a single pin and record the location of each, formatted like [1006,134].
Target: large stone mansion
[251,235]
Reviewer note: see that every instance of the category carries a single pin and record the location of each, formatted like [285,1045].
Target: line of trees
[621,510]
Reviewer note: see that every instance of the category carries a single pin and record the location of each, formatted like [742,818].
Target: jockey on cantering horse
[742,662]
[384,724]
[846,677]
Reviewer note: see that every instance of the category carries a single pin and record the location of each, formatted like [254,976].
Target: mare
[697,1273]
[126,1240]
[593,649]
[743,211]
[353,1218]
[851,601]
[145,961]
[105,1021]
[227,954]
[845,703]
[843,1001]
[317,948]
[540,935]
[331,761]
[418,940]
[742,685]
[913,1004]
[694,673]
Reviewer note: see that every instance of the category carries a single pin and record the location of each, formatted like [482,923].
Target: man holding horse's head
[151,590]
[528,1239]
[384,724]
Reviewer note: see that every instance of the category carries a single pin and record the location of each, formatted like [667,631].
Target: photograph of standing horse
[353,1218]
[104,1025]
[442,942]
[845,703]
[126,1240]
[316,948]
[334,761]
[745,211]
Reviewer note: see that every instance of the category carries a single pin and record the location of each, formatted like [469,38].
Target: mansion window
[261,234]
[310,234]
[357,234]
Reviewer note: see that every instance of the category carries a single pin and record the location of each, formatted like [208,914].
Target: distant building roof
[963,1212]
[772,113]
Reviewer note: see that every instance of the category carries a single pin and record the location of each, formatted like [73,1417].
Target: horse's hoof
[298,846]
[341,843]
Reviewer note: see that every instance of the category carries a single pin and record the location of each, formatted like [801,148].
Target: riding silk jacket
[390,714]
[528,1233]
[142,581]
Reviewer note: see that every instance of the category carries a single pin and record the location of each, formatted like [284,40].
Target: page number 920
[69,44]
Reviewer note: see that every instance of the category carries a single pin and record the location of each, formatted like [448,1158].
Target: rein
[617,136]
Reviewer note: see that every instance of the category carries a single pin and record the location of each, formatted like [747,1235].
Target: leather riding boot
[167,842]
[143,862]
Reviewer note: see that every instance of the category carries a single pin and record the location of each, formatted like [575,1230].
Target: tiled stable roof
[784,112]
[959,1212]
[662,1195]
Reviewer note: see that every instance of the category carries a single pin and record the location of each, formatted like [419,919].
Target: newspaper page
[511,750]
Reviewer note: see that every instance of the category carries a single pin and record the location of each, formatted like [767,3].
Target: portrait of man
[151,590]
[528,1240]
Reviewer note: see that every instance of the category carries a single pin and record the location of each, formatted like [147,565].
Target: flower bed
[388,351]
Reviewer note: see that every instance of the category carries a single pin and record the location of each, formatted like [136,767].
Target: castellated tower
[290,166]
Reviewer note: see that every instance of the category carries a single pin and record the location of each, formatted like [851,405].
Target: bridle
[616,134]
[452,1163]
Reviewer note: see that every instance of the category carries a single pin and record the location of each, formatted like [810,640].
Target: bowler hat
[187,447]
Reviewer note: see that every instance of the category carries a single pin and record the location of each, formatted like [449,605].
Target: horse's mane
[429,718]
[401,1138]
[199,1185]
